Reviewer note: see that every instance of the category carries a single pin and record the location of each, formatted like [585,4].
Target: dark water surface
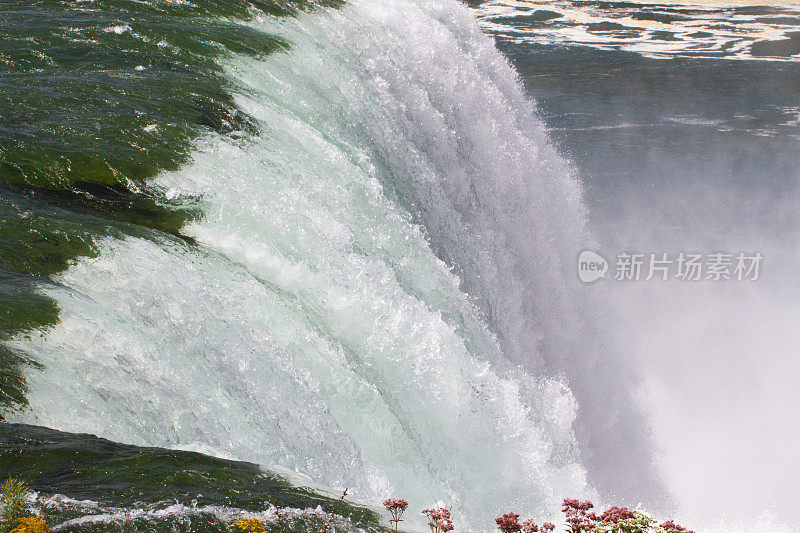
[646,133]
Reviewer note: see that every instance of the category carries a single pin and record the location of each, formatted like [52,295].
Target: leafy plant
[625,521]
[14,492]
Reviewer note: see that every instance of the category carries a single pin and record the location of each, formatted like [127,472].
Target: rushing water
[81,483]
[687,141]
[311,318]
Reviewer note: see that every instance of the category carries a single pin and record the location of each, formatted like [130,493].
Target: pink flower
[439,519]
[393,504]
[671,526]
[615,514]
[576,505]
[396,507]
[508,523]
[437,513]
[547,527]
[529,526]
[578,517]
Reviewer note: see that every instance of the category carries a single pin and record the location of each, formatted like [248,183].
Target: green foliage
[13,501]
[96,98]
[640,524]
[117,475]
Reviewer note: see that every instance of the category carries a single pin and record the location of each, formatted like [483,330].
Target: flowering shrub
[439,519]
[624,521]
[671,527]
[579,518]
[396,508]
[576,505]
[249,525]
[31,524]
[509,523]
[615,514]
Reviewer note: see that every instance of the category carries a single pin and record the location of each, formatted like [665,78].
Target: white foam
[313,327]
[97,513]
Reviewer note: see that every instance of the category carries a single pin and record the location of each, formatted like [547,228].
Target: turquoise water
[294,271]
[91,111]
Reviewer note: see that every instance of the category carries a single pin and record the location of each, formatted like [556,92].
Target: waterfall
[379,293]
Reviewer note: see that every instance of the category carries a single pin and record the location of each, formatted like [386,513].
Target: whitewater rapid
[379,294]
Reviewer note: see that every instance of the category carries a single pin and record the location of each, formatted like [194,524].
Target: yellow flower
[31,524]
[250,525]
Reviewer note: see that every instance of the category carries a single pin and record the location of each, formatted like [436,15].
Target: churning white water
[381,295]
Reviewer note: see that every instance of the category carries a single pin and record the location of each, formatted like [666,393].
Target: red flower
[576,505]
[508,523]
[671,526]
[446,525]
[578,517]
[439,519]
[393,504]
[615,514]
[396,507]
